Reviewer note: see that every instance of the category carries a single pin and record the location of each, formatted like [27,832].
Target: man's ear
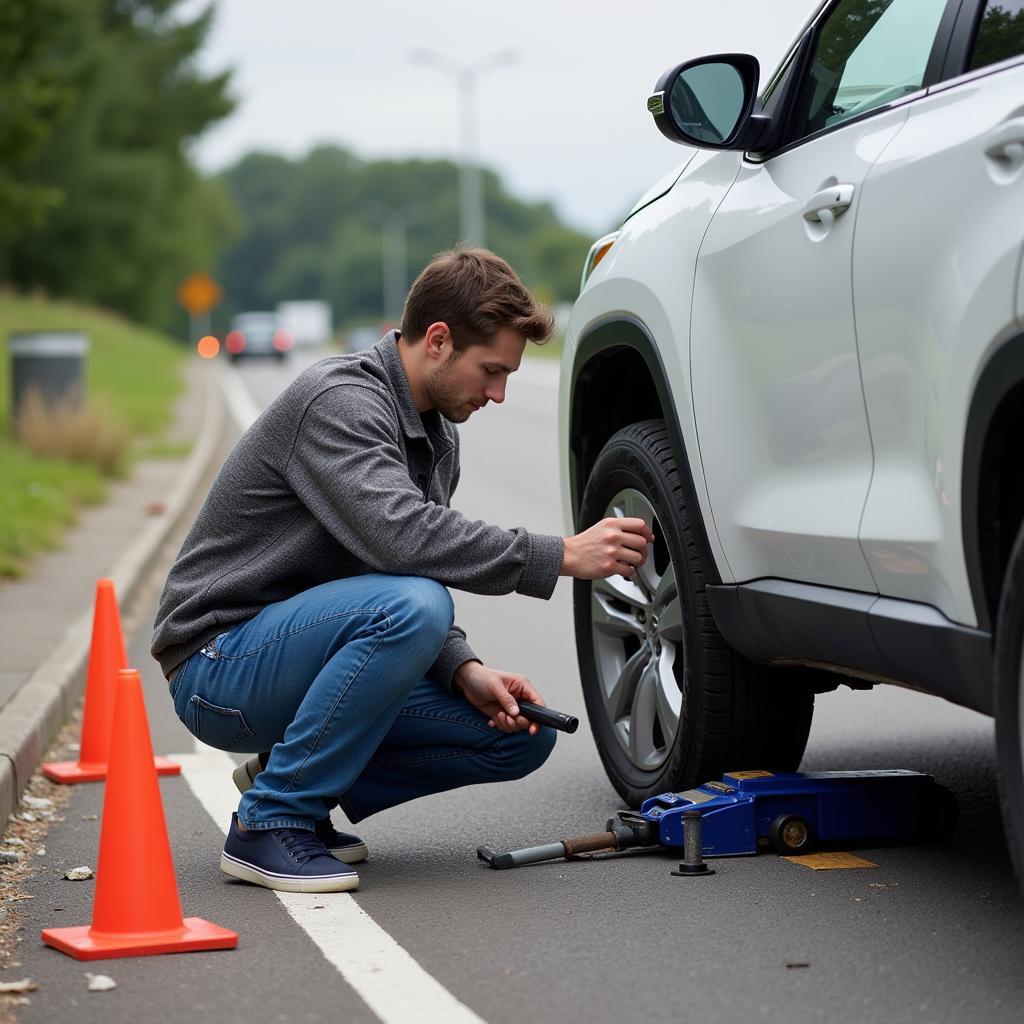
[438,340]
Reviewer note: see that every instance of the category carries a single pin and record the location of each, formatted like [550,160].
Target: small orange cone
[107,657]
[136,910]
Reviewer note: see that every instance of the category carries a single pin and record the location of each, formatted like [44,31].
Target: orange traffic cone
[106,657]
[135,911]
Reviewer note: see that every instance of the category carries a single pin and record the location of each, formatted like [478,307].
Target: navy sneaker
[288,859]
[344,846]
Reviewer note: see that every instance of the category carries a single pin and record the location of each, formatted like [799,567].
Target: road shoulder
[48,615]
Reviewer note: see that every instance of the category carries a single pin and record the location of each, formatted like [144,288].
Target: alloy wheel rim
[637,630]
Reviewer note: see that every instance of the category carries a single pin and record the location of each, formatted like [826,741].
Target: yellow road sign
[199,293]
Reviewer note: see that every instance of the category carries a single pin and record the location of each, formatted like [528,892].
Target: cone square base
[194,935]
[70,772]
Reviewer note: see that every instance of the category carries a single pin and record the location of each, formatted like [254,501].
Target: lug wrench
[632,831]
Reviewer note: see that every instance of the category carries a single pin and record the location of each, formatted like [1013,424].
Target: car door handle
[830,202]
[1007,141]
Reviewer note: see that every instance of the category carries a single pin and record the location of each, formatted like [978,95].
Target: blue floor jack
[794,812]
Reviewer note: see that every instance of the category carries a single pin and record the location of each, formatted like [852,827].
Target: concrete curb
[32,717]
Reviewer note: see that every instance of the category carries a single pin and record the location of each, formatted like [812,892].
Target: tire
[790,834]
[670,704]
[1009,706]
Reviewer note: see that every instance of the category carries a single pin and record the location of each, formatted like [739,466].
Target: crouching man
[306,618]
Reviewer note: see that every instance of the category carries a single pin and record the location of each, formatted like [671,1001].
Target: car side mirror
[708,103]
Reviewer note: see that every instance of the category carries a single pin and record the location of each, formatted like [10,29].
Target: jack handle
[618,837]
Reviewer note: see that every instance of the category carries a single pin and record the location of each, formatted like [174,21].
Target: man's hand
[494,693]
[611,547]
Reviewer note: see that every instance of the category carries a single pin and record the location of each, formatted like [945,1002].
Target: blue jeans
[334,683]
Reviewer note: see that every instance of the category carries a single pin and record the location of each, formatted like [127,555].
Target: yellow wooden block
[831,861]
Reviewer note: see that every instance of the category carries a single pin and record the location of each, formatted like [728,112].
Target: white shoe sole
[288,883]
[242,779]
[354,854]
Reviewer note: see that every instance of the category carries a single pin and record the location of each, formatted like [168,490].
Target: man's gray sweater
[340,476]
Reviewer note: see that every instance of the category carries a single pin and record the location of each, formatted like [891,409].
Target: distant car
[257,334]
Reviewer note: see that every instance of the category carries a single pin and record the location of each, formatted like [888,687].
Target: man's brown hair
[476,294]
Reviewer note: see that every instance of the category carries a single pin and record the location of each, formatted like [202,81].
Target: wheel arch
[618,378]
[992,500]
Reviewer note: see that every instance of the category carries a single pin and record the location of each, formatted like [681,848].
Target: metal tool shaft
[596,843]
[692,865]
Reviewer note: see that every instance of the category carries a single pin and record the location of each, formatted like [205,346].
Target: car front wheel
[670,704]
[1009,705]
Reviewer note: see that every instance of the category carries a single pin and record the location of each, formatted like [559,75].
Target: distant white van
[308,321]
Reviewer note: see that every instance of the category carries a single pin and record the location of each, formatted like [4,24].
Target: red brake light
[283,341]
[235,342]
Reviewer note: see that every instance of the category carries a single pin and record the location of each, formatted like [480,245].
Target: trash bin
[51,363]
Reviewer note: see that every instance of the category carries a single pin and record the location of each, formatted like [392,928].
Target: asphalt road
[931,934]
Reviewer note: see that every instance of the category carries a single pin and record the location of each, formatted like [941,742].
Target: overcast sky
[565,122]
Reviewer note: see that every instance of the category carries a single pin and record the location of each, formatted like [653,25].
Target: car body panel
[565,383]
[774,363]
[649,272]
[822,393]
[662,185]
[936,268]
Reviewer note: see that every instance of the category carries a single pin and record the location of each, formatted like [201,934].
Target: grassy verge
[133,375]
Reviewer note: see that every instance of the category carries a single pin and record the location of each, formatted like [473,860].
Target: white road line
[244,409]
[394,986]
[391,983]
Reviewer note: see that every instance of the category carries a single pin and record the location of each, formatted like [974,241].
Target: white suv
[801,359]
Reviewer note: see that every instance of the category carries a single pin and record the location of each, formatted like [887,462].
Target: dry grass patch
[79,434]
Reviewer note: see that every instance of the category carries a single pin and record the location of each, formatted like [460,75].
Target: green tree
[135,216]
[845,29]
[313,229]
[557,254]
[1000,35]
[40,43]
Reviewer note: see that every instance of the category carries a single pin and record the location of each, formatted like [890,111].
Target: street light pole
[472,223]
[471,186]
[393,246]
[394,226]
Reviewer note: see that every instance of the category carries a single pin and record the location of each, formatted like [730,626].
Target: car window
[775,84]
[1000,33]
[868,53]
